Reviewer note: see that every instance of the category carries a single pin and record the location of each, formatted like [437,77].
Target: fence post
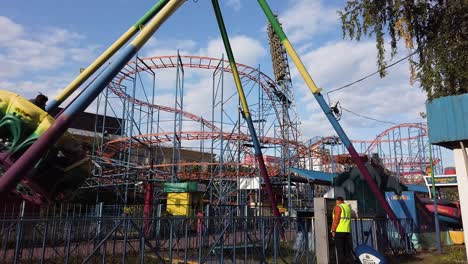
[374,235]
[19,232]
[124,246]
[170,239]
[306,239]
[69,232]
[245,236]
[187,223]
[99,217]
[221,238]
[142,243]
[200,242]
[44,242]
[275,242]
[158,222]
[234,223]
[207,214]
[98,223]
[263,236]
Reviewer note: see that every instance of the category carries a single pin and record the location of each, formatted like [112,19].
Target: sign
[403,205]
[405,196]
[249,183]
[368,255]
[441,180]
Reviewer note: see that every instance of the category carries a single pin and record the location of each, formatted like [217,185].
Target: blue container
[447,119]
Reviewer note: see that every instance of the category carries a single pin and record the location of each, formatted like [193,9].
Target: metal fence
[159,240]
[74,234]
[383,235]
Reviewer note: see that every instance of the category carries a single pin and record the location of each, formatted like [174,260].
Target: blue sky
[44,43]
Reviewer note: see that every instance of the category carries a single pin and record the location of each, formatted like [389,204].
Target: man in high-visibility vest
[341,232]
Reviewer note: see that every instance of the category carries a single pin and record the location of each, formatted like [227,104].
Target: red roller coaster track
[265,82]
[380,137]
[200,62]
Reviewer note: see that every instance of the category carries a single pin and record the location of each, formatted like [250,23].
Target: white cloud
[247,50]
[44,84]
[306,18]
[9,29]
[28,55]
[55,36]
[155,47]
[234,4]
[84,55]
[24,52]
[388,99]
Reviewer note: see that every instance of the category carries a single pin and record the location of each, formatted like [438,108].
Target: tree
[434,30]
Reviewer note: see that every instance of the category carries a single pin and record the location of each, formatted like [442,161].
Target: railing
[156,240]
[383,235]
[111,234]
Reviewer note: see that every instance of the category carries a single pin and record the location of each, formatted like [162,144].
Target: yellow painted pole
[105,56]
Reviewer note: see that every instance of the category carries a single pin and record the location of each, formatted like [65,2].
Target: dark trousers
[344,248]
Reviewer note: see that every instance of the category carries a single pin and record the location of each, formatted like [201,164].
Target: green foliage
[437,29]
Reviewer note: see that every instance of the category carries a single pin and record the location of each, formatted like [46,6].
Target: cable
[372,74]
[367,117]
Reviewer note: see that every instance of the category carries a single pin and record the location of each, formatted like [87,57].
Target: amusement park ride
[41,165]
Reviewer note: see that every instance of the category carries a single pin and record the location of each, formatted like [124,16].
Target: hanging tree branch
[438,29]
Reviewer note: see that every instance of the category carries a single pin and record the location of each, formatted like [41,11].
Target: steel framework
[288,128]
[403,149]
[76,233]
[150,149]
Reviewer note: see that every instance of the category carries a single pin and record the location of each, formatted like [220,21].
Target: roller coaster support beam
[245,108]
[22,167]
[326,109]
[105,56]
[148,205]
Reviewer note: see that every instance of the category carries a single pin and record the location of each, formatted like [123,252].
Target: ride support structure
[326,109]
[245,108]
[24,165]
[152,21]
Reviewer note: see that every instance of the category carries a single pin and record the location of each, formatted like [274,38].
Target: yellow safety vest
[344,226]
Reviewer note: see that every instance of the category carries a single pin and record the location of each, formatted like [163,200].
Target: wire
[372,74]
[367,117]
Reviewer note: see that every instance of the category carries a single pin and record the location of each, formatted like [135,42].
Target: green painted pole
[434,196]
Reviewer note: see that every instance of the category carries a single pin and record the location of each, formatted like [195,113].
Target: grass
[451,254]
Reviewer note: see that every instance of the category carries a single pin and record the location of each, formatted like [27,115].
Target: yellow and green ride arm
[26,162]
[105,56]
